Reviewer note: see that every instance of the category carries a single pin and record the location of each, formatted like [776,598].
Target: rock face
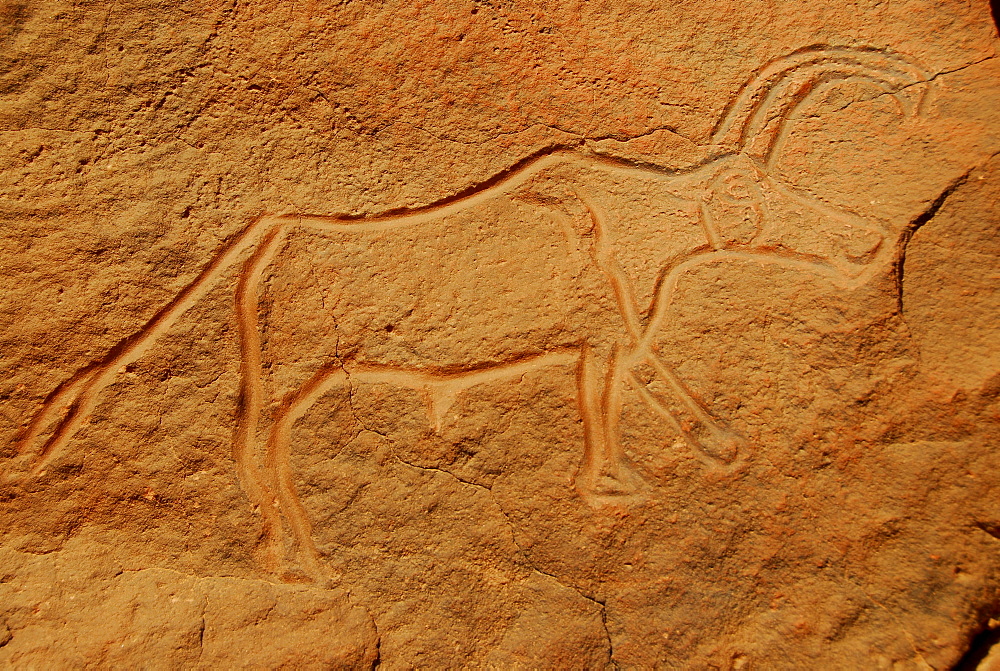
[499,334]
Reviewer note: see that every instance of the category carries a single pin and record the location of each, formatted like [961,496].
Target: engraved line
[618,366]
[611,409]
[442,389]
[803,93]
[589,408]
[700,412]
[759,113]
[707,222]
[252,392]
[747,102]
[602,252]
[277,459]
[135,345]
[757,79]
[51,404]
[420,378]
[502,183]
[704,455]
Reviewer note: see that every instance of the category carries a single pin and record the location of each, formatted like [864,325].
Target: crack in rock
[899,264]
[521,551]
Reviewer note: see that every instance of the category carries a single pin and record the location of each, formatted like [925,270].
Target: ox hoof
[720,445]
[619,486]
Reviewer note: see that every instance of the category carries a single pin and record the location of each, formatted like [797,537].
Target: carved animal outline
[743,146]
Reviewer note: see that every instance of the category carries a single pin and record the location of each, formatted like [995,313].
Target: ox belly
[493,284]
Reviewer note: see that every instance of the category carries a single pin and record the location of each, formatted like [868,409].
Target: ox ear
[736,205]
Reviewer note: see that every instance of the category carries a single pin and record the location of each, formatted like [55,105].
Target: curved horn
[754,121]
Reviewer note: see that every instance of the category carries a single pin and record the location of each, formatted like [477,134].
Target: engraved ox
[728,195]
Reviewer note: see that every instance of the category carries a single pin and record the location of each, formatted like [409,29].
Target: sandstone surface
[499,334]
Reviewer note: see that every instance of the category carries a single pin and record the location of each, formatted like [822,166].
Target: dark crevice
[915,225]
[992,528]
[377,662]
[979,648]
[201,633]
[607,632]
[995,11]
[448,473]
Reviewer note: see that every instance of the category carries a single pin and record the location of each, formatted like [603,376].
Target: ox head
[746,205]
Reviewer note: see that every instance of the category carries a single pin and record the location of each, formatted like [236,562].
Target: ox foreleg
[669,397]
[605,473]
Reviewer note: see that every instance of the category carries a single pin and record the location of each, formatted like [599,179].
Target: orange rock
[485,334]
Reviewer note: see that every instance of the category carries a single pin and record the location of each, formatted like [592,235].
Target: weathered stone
[496,334]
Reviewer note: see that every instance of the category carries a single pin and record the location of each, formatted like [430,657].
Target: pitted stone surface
[499,334]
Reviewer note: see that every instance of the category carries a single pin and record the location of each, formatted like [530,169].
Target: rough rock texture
[499,334]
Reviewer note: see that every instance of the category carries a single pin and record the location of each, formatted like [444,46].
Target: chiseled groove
[603,255]
[589,408]
[611,408]
[843,277]
[135,345]
[252,392]
[277,459]
[502,183]
[131,348]
[278,456]
[814,203]
[655,403]
[669,284]
[416,378]
[748,103]
[708,226]
[52,403]
[693,406]
[667,414]
[610,399]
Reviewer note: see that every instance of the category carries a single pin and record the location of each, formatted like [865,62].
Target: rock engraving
[730,195]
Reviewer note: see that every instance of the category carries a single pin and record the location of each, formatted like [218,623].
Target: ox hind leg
[67,409]
[439,390]
[259,489]
[303,553]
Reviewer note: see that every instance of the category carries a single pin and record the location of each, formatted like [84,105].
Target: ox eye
[738,187]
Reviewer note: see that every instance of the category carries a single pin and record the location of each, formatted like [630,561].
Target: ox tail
[68,408]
